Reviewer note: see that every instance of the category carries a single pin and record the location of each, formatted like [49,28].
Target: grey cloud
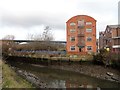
[31,20]
[100,8]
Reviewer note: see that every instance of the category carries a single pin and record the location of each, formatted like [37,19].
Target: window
[89,48]
[80,23]
[89,38]
[72,30]
[88,23]
[72,24]
[72,48]
[88,30]
[72,38]
[108,30]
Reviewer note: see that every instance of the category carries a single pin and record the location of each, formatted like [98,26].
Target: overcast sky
[22,17]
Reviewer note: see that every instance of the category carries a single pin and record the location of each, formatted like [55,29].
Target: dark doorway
[80,50]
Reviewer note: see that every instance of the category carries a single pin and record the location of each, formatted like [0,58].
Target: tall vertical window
[72,48]
[89,48]
[80,23]
[88,30]
[72,24]
[72,38]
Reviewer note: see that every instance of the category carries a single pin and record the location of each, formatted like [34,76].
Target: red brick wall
[86,34]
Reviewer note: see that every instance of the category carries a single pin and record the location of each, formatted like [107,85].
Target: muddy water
[54,78]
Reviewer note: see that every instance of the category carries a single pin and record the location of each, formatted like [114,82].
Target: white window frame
[88,23]
[71,38]
[72,24]
[89,30]
[91,48]
[72,30]
[72,47]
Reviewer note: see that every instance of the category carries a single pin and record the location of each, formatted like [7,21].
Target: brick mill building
[110,38]
[81,35]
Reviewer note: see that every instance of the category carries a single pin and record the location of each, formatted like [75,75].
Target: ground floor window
[89,48]
[116,49]
[72,48]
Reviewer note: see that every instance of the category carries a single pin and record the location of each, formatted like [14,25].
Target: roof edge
[81,15]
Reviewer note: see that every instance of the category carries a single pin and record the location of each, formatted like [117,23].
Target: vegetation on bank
[104,58]
[107,58]
[38,50]
[12,80]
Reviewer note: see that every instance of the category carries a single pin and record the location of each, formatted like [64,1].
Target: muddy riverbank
[97,71]
[44,72]
[86,68]
[101,72]
[49,77]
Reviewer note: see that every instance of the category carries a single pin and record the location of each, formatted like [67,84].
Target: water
[54,78]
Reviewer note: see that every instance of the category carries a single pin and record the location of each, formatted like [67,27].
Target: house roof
[102,32]
[113,26]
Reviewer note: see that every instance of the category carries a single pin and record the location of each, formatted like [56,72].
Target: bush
[97,59]
[107,58]
[101,57]
[115,64]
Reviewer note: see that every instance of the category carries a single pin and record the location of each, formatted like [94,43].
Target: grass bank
[12,80]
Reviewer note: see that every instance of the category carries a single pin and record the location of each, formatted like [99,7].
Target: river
[55,78]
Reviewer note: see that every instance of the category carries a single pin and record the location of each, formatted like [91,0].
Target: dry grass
[12,80]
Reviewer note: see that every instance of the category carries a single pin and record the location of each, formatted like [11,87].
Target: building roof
[80,16]
[113,26]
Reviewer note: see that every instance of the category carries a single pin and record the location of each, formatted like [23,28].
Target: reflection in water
[57,84]
[54,78]
[67,84]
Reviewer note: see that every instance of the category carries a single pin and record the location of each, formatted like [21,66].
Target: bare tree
[8,44]
[38,37]
[8,37]
[47,35]
[30,36]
